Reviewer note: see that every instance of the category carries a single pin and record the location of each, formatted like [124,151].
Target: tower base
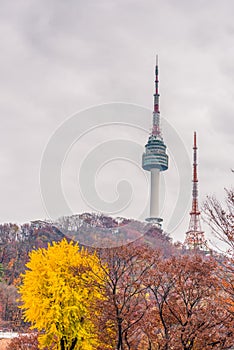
[155,221]
[195,240]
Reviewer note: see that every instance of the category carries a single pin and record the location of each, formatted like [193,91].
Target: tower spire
[195,238]
[156,95]
[195,179]
[156,131]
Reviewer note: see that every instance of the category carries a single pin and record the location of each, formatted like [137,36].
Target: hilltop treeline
[92,230]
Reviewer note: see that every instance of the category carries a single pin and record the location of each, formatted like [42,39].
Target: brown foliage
[4,343]
[186,311]
[126,300]
[226,276]
[9,311]
[24,342]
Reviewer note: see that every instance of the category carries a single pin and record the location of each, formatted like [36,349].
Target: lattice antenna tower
[195,238]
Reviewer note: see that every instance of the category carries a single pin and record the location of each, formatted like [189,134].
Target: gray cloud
[59,57]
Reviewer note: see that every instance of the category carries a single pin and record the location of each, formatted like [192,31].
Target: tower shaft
[195,238]
[154,198]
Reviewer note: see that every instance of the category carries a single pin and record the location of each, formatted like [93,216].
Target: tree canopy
[59,289]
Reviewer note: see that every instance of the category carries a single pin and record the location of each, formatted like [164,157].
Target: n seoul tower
[154,158]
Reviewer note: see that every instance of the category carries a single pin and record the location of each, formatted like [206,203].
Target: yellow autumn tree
[59,290]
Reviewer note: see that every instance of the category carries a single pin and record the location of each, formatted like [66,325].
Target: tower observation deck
[154,158]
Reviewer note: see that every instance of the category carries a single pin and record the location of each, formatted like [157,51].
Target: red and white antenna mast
[195,210]
[195,238]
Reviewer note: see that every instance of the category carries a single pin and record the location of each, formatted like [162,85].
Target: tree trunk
[63,341]
[126,341]
[120,338]
[73,344]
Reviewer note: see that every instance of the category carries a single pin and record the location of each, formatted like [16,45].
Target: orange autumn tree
[126,300]
[220,217]
[185,312]
[59,291]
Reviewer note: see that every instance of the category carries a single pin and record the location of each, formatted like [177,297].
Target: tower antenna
[195,238]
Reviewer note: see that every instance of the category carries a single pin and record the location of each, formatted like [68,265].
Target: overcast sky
[60,57]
